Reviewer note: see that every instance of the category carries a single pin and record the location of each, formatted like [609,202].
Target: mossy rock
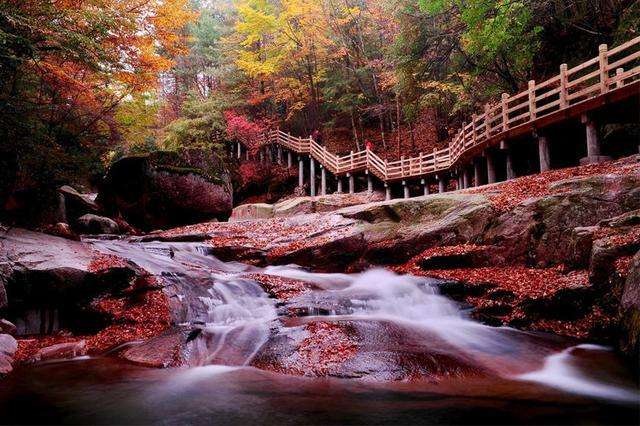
[166,188]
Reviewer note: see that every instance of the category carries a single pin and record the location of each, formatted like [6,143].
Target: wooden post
[466,178]
[504,145]
[351,160]
[505,111]
[425,186]
[405,189]
[323,180]
[300,171]
[619,79]
[532,100]
[604,64]
[339,179]
[435,159]
[473,128]
[563,86]
[487,126]
[420,166]
[387,191]
[477,173]
[369,183]
[441,184]
[239,150]
[289,159]
[491,169]
[352,183]
[312,176]
[402,166]
[543,153]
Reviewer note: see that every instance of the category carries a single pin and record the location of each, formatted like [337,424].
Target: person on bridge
[317,136]
[368,145]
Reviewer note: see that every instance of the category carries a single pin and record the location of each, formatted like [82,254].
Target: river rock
[303,205]
[252,212]
[77,204]
[630,311]
[50,280]
[166,189]
[8,345]
[62,351]
[158,352]
[60,229]
[7,327]
[94,224]
[396,230]
[539,230]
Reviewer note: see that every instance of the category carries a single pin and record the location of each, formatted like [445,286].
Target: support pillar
[239,150]
[312,176]
[369,183]
[289,159]
[246,154]
[543,153]
[425,187]
[261,156]
[477,175]
[387,191]
[593,143]
[459,181]
[466,178]
[405,189]
[511,172]
[323,180]
[339,179]
[352,183]
[300,172]
[441,184]
[491,168]
[279,154]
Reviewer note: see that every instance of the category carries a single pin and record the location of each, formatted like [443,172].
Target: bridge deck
[612,76]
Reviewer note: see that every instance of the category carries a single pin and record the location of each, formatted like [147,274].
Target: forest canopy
[84,82]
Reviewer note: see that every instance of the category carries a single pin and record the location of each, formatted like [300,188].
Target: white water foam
[559,371]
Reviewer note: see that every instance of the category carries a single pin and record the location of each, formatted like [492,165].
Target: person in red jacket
[368,145]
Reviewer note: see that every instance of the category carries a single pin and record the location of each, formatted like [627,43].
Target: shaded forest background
[84,82]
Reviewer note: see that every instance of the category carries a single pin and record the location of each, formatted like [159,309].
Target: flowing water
[418,358]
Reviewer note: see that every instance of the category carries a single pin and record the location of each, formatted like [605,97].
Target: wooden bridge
[609,78]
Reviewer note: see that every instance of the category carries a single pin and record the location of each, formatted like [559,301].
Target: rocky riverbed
[554,253]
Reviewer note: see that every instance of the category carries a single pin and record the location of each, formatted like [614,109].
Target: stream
[388,349]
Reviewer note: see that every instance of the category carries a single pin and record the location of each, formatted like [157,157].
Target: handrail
[592,78]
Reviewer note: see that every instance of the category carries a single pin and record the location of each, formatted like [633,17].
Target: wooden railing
[610,71]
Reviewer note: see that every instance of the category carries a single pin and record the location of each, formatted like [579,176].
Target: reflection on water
[103,391]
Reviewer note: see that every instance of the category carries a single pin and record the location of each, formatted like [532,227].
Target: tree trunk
[398,125]
[355,131]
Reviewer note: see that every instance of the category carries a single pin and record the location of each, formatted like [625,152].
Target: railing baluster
[604,63]
[563,86]
[532,100]
[487,125]
[504,102]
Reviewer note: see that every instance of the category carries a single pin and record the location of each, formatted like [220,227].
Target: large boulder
[396,230]
[8,347]
[303,205]
[94,224]
[50,281]
[542,231]
[77,204]
[630,311]
[166,189]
